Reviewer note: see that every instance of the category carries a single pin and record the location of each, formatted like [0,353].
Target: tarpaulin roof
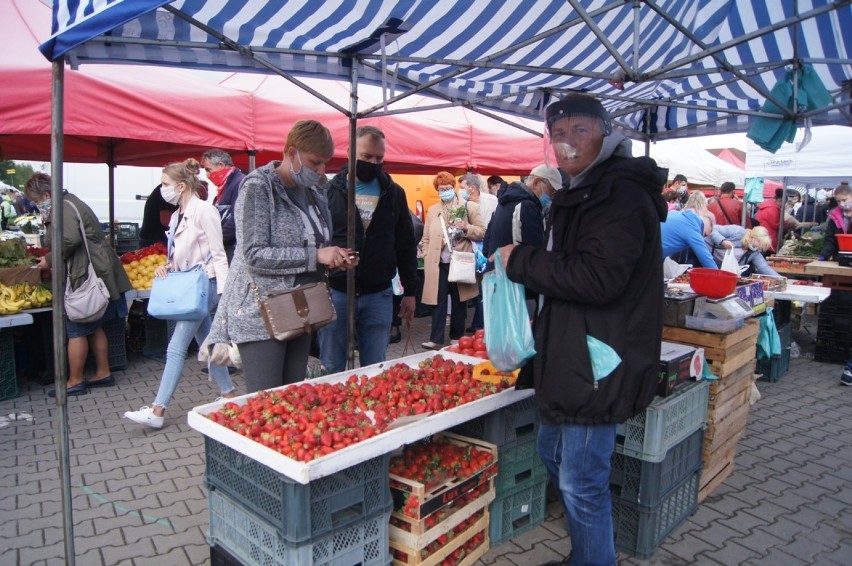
[664,68]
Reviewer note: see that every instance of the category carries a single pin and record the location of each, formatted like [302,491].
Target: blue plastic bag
[508,333]
[604,358]
[481,260]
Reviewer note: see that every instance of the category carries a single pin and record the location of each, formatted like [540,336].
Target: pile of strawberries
[307,421]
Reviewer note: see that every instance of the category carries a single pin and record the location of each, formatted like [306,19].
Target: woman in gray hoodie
[283,229]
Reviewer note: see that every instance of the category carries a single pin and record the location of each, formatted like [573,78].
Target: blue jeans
[578,458]
[373,314]
[185,331]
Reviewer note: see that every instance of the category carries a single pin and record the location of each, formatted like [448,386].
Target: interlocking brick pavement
[138,494]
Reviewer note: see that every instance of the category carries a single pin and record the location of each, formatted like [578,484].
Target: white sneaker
[145,416]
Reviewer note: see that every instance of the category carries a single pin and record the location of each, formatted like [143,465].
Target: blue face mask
[447,195]
[44,207]
[464,194]
[545,201]
[305,177]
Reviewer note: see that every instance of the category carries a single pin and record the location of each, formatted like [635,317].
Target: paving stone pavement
[138,494]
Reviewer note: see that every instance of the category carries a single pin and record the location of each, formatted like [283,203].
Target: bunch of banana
[11,302]
[38,295]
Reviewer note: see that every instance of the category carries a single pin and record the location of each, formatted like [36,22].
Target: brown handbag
[290,313]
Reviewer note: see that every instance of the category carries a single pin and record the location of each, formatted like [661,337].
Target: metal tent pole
[350,216]
[58,282]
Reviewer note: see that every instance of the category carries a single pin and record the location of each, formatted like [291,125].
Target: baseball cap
[550,174]
[578,105]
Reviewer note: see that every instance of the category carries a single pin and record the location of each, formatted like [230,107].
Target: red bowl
[713,283]
[844,242]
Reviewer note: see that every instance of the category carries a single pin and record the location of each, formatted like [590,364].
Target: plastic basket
[520,466]
[300,512]
[517,512]
[771,369]
[510,424]
[8,375]
[640,531]
[249,539]
[666,422]
[116,331]
[647,483]
[157,336]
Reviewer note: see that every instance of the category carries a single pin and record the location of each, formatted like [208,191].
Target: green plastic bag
[508,333]
[604,358]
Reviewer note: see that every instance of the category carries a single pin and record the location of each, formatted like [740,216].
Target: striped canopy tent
[664,68]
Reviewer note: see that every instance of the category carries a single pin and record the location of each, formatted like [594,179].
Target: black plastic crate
[515,423]
[646,484]
[771,369]
[300,512]
[8,376]
[832,351]
[639,531]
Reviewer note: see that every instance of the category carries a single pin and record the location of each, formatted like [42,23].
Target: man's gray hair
[217,157]
[473,180]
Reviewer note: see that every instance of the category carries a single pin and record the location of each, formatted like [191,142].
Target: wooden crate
[432,499]
[724,363]
[712,340]
[418,534]
[412,556]
[728,386]
[710,481]
[734,422]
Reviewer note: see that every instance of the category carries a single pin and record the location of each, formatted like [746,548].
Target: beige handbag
[290,313]
[462,264]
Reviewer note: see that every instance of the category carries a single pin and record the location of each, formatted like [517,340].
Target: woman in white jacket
[195,237]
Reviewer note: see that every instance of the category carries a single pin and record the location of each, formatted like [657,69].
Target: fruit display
[140,265]
[306,421]
[23,296]
[471,345]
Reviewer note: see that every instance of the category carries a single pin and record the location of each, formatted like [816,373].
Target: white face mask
[753,248]
[305,176]
[170,194]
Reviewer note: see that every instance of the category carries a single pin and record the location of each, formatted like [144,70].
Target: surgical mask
[366,171]
[545,201]
[464,194]
[846,205]
[306,177]
[170,194]
[753,248]
[45,207]
[447,195]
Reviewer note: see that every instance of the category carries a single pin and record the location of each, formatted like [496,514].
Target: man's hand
[504,252]
[406,308]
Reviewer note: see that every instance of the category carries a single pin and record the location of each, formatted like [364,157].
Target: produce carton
[752,293]
[462,546]
[417,500]
[675,361]
[14,275]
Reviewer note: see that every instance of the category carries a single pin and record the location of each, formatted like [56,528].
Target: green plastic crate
[639,531]
[251,540]
[666,422]
[8,375]
[517,512]
[771,369]
[519,466]
[513,423]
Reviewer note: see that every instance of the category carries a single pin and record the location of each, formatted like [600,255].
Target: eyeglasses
[447,188]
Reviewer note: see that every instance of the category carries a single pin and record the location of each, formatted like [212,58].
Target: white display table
[388,441]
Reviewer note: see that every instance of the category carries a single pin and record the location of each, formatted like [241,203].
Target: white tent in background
[822,163]
[691,157]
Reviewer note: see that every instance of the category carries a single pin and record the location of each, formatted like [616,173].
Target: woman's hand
[337,258]
[461,224]
[162,272]
[728,244]
[42,263]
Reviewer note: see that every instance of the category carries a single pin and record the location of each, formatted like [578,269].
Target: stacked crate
[732,358]
[656,468]
[259,516]
[521,482]
[834,328]
[126,237]
[447,523]
[8,374]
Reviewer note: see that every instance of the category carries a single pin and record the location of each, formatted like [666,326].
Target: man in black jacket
[220,169]
[384,238]
[600,278]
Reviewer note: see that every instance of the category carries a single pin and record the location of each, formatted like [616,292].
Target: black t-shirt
[153,230]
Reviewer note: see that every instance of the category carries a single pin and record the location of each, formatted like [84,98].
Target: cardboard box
[14,275]
[675,361]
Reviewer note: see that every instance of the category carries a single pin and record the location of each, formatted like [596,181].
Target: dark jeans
[439,313]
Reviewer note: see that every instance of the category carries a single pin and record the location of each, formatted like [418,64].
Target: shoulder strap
[82,230]
[725,213]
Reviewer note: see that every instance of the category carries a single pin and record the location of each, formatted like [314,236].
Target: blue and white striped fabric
[513,55]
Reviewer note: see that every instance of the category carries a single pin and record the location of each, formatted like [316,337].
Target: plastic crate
[251,540]
[157,335]
[513,423]
[517,512]
[665,423]
[639,531]
[520,466]
[8,375]
[647,483]
[300,512]
[771,369]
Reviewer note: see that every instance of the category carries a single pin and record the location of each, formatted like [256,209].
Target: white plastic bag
[729,263]
[672,269]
